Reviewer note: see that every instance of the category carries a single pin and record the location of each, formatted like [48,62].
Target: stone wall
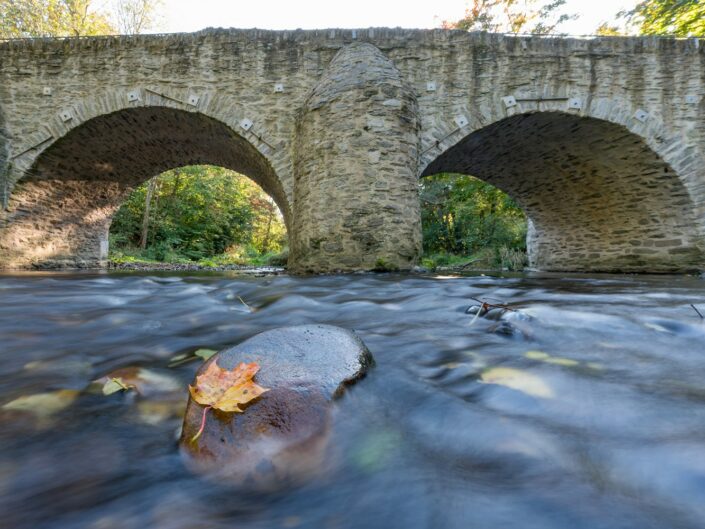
[601,141]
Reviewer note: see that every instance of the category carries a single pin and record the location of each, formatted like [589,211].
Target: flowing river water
[591,414]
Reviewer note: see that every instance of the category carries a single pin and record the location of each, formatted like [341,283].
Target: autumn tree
[75,18]
[513,16]
[52,18]
[608,30]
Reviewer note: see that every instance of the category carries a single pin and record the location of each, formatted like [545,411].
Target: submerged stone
[282,436]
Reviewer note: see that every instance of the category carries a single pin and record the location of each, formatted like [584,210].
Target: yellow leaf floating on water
[518,380]
[205,354]
[43,405]
[226,389]
[144,381]
[114,385]
[556,360]
[156,412]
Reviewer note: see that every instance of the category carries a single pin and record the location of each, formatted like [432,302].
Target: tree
[682,18]
[513,16]
[607,30]
[198,212]
[136,16]
[52,18]
[462,215]
[75,18]
[151,187]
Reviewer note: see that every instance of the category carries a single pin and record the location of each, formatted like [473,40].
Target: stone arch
[61,209]
[600,197]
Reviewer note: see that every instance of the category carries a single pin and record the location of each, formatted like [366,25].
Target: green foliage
[52,18]
[382,265]
[198,213]
[462,215]
[607,30]
[682,18]
[513,16]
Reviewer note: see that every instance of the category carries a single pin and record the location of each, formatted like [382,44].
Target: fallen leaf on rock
[225,390]
[518,380]
[43,405]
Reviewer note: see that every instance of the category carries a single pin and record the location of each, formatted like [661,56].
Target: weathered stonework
[357,137]
[602,144]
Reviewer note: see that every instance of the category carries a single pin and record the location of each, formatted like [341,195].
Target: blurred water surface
[592,415]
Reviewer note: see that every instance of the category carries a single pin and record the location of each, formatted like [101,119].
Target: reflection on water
[594,417]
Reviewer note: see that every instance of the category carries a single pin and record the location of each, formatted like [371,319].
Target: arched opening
[60,212]
[198,214]
[597,197]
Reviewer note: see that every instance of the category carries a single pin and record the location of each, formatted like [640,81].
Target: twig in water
[696,310]
[182,361]
[477,314]
[246,305]
[485,305]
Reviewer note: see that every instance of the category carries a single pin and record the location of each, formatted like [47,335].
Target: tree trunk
[145,218]
[265,243]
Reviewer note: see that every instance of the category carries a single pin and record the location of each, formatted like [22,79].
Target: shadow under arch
[61,210]
[598,197]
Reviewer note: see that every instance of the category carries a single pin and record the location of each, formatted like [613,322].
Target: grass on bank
[502,258]
[249,257]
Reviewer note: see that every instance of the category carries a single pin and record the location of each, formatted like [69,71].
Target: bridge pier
[356,203]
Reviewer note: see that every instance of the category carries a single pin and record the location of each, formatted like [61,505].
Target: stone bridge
[600,141]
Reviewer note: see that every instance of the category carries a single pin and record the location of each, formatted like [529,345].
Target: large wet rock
[282,437]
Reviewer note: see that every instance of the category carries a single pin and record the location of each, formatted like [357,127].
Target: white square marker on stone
[193,100]
[65,115]
[575,103]
[431,86]
[278,87]
[509,101]
[46,91]
[641,115]
[691,99]
[461,121]
[133,95]
[246,124]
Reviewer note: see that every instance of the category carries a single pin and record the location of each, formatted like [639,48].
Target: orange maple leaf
[225,390]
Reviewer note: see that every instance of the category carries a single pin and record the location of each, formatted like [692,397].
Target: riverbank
[141,266]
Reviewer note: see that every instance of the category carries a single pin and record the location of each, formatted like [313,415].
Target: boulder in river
[282,436]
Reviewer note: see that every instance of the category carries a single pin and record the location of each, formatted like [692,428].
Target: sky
[192,15]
